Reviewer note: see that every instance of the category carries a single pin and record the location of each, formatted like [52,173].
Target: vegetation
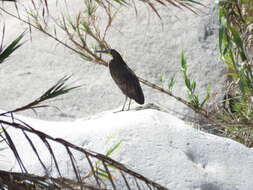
[234,118]
[235,41]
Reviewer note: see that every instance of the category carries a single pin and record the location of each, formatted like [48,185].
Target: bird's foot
[121,110]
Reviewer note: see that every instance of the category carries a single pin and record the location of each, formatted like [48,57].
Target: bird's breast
[117,69]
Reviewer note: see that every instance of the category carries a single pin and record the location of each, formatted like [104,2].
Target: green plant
[191,86]
[170,82]
[99,169]
[5,52]
[58,89]
[235,38]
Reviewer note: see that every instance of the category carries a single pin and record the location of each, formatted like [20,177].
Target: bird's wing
[129,84]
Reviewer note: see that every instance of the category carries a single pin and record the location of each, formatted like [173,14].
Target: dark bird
[124,77]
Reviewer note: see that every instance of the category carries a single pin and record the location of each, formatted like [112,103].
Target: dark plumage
[124,77]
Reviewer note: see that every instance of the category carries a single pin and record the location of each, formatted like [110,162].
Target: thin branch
[72,159]
[43,31]
[109,175]
[36,152]
[11,144]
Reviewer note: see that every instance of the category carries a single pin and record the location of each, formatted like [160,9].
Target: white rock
[155,144]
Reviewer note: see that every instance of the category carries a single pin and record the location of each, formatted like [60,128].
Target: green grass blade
[237,39]
[11,48]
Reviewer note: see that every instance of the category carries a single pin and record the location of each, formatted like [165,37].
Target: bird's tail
[140,98]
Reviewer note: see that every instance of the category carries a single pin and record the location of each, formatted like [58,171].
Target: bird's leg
[129,104]
[124,104]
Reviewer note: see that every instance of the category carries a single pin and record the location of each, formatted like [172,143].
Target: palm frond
[15,44]
[60,88]
[118,174]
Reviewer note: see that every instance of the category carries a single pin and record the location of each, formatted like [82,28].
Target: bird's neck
[118,60]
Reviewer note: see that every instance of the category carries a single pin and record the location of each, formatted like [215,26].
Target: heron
[124,77]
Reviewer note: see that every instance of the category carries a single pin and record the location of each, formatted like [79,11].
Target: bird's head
[111,52]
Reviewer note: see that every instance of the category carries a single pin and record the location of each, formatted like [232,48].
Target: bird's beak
[107,51]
